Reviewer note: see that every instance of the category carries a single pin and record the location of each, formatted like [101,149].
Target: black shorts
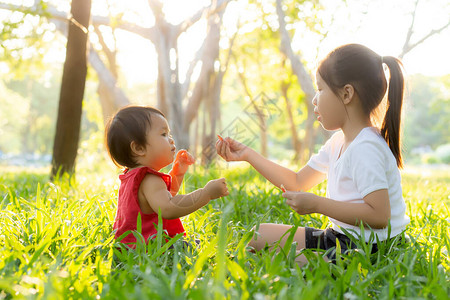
[326,240]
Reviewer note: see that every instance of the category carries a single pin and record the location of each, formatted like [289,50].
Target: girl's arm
[155,193]
[303,180]
[374,212]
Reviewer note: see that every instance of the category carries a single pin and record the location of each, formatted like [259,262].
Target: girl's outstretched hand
[182,162]
[301,202]
[231,150]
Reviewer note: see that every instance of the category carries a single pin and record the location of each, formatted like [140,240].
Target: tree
[182,101]
[171,93]
[408,44]
[72,90]
[296,143]
[263,68]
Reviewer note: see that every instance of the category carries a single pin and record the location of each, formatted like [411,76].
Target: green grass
[56,243]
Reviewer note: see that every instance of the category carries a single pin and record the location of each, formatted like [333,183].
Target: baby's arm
[374,212]
[172,207]
[180,165]
[303,180]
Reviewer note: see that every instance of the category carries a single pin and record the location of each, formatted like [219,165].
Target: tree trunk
[206,85]
[259,114]
[212,101]
[72,90]
[109,108]
[169,97]
[295,139]
[111,96]
[303,78]
[204,154]
[196,137]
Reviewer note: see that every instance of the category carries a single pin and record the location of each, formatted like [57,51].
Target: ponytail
[390,130]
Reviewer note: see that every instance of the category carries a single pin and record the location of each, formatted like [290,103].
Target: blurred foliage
[427,117]
[257,58]
[25,40]
[30,85]
[30,110]
[12,119]
[91,154]
[37,112]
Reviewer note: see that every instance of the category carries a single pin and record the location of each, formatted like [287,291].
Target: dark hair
[363,68]
[131,123]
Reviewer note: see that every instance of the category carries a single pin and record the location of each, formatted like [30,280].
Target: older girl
[361,161]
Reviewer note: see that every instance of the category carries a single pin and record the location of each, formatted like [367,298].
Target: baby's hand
[181,163]
[217,188]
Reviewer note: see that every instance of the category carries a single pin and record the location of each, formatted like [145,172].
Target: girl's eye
[164,134]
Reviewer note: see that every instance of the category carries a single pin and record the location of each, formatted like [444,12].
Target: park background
[243,69]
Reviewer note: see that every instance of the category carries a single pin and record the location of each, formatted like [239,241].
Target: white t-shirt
[366,166]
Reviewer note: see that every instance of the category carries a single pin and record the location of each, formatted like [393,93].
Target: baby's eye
[164,134]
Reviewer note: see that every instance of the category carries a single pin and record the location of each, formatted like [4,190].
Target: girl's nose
[314,100]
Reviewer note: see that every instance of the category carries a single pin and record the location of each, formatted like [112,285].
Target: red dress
[128,208]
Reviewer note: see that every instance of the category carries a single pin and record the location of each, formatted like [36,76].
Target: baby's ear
[137,149]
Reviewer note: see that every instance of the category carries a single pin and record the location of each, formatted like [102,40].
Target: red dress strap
[145,170]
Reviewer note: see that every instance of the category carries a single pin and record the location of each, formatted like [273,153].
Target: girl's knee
[258,241]
[261,227]
[260,230]
[267,234]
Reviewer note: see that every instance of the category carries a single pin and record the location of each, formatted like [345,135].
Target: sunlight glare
[382,28]
[142,65]
[4,68]
[137,58]
[176,11]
